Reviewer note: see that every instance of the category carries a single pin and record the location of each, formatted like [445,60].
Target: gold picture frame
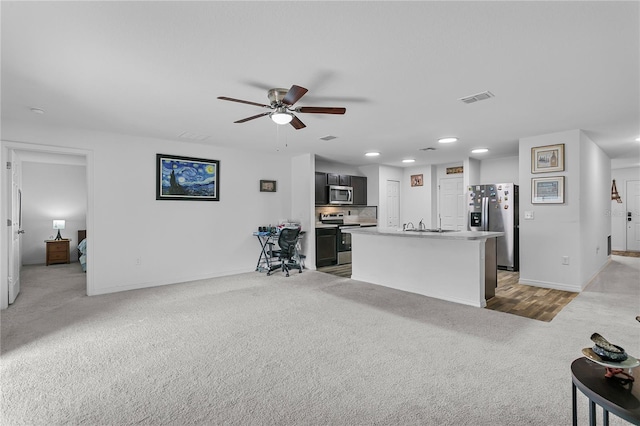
[416,180]
[549,158]
[547,190]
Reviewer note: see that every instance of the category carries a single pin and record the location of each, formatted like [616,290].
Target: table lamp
[58,224]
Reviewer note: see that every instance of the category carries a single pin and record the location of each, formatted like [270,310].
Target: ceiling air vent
[328,138]
[192,136]
[429,148]
[477,97]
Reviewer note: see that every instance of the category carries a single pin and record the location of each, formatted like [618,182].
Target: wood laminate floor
[536,303]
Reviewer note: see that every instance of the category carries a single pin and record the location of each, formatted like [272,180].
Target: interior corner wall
[372,172]
[555,230]
[303,203]
[416,201]
[471,170]
[618,211]
[51,191]
[174,241]
[595,197]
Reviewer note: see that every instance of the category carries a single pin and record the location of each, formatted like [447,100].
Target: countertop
[333,225]
[459,235]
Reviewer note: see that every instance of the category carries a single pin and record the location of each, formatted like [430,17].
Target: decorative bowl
[610,356]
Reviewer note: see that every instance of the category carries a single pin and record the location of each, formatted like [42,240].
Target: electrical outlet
[528,215]
[138,261]
[565,260]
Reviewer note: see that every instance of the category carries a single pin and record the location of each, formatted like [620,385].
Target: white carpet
[305,350]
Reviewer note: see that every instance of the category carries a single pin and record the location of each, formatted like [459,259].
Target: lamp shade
[58,224]
[281,117]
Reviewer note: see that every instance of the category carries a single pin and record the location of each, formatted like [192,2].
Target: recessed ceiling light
[637,139]
[372,154]
[409,160]
[447,140]
[37,110]
[479,150]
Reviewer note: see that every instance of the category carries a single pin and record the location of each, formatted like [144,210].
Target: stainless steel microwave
[340,194]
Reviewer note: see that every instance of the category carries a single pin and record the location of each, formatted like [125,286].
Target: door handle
[21,231]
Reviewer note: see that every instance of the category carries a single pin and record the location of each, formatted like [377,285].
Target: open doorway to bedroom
[54,216]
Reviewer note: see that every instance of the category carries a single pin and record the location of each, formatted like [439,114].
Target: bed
[82,248]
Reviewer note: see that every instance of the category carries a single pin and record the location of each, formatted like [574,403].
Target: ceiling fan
[281,104]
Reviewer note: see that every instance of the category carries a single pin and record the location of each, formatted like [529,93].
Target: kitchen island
[456,266]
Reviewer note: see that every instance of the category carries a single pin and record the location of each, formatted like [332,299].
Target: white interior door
[15,258]
[452,208]
[393,204]
[633,215]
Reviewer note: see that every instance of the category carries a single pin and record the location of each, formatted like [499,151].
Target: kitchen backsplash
[352,214]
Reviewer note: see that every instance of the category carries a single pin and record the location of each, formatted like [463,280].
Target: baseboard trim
[140,286]
[552,285]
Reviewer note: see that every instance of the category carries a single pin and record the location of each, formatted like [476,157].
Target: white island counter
[455,266]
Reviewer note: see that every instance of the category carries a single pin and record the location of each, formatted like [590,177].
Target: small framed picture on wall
[548,158]
[267,186]
[416,180]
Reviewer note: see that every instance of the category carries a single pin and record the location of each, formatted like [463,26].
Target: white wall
[557,229]
[51,191]
[416,202]
[500,170]
[176,241]
[595,200]
[618,211]
[326,166]
[303,203]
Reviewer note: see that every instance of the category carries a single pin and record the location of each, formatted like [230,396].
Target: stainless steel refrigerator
[494,207]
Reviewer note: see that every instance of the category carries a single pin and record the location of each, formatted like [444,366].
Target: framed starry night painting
[186,178]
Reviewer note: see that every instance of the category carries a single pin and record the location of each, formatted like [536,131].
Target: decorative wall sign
[455,170]
[186,178]
[548,190]
[416,180]
[267,186]
[614,192]
[548,158]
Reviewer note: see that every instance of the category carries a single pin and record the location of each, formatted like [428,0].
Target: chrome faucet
[405,227]
[421,224]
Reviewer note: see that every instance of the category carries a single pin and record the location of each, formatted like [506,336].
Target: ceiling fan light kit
[281,116]
[281,102]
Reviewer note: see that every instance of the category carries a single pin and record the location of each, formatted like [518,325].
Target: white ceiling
[155,69]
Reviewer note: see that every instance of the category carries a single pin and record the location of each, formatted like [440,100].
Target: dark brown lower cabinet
[326,247]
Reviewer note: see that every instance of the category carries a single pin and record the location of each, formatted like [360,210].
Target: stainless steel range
[343,238]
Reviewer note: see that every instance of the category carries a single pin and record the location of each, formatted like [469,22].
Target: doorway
[451,204]
[17,155]
[633,215]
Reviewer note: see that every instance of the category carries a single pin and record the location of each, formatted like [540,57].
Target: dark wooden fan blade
[252,118]
[293,95]
[297,123]
[321,110]
[224,98]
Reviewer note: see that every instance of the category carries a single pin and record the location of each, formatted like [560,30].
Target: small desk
[266,240]
[610,394]
[265,261]
[57,251]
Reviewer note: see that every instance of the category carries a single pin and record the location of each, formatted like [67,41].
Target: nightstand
[57,251]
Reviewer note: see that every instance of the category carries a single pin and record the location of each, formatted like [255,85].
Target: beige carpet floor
[311,349]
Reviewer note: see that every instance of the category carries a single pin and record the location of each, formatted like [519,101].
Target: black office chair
[287,241]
